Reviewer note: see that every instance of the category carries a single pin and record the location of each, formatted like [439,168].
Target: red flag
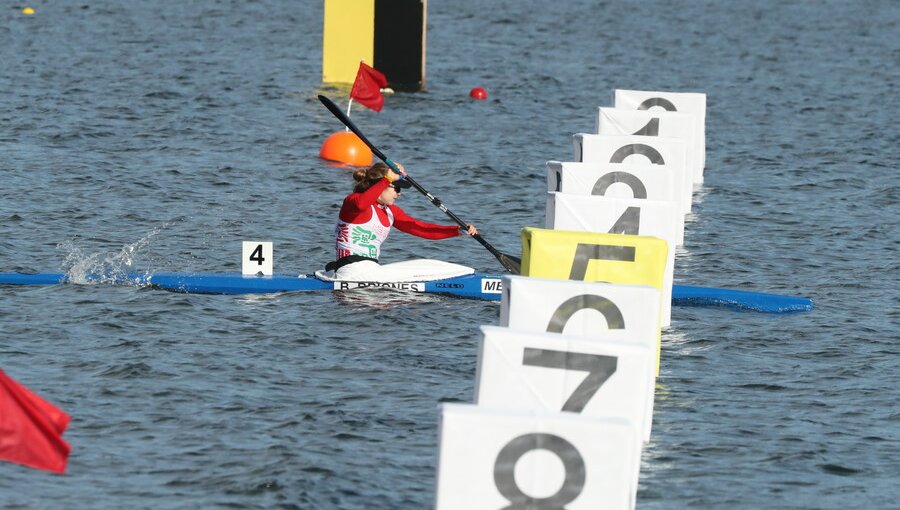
[31,428]
[367,87]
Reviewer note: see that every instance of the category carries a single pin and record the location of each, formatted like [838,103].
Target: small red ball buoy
[478,93]
[346,147]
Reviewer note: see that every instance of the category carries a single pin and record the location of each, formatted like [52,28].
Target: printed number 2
[257,255]
[652,127]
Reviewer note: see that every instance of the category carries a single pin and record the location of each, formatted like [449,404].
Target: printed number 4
[257,255]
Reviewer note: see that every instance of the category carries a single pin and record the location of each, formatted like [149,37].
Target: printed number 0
[257,255]
[505,472]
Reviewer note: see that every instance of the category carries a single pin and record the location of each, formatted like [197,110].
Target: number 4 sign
[257,258]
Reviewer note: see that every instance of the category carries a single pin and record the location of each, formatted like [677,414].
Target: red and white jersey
[362,239]
[363,224]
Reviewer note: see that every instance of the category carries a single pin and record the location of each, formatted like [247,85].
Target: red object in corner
[478,93]
[367,87]
[31,428]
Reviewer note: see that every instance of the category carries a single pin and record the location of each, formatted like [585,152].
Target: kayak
[476,286]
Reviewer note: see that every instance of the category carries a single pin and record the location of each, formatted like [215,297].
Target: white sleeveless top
[362,239]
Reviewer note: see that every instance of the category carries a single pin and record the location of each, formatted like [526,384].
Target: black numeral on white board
[257,255]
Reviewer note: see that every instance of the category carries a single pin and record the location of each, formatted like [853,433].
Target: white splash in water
[108,267]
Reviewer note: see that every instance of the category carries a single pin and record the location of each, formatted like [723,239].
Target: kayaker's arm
[360,203]
[410,225]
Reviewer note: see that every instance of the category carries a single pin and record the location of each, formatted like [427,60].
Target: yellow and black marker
[389,35]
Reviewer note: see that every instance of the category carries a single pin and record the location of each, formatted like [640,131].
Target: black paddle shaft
[512,264]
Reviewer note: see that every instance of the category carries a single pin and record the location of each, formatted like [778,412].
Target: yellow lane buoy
[28,11]
[346,147]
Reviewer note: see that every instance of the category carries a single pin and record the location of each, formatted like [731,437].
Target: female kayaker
[364,222]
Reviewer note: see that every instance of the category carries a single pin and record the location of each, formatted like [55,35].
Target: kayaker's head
[367,177]
[392,192]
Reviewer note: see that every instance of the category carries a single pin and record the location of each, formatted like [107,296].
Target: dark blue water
[158,135]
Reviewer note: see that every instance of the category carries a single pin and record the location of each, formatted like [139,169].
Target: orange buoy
[346,147]
[478,93]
